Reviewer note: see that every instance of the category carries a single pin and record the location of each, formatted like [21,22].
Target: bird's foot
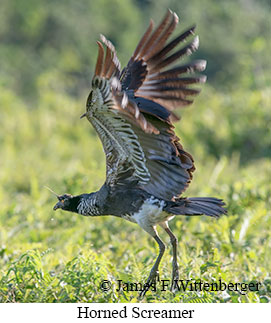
[175,277]
[150,283]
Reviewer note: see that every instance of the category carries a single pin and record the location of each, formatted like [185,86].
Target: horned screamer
[147,168]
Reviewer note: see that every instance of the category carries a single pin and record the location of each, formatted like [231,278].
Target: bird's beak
[58,205]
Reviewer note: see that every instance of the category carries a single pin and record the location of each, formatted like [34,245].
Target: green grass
[48,256]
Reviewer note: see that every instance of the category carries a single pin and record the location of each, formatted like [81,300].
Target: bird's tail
[210,206]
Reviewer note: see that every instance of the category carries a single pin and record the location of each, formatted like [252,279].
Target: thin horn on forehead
[49,189]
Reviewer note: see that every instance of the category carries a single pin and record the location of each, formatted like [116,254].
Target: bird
[132,111]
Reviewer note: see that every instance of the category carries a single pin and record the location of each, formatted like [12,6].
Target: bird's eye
[62,201]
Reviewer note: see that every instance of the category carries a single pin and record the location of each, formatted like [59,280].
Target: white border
[211,313]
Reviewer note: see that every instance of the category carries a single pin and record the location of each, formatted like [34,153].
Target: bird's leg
[154,271]
[175,268]
[154,274]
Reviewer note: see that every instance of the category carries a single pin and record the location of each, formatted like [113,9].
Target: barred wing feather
[111,114]
[132,111]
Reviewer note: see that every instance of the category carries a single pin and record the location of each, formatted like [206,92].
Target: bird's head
[65,202]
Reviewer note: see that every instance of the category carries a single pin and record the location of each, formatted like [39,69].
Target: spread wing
[132,111]
[148,75]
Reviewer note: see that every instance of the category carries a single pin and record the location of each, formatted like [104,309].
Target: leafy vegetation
[48,56]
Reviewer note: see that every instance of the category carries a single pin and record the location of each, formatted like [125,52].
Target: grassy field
[63,257]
